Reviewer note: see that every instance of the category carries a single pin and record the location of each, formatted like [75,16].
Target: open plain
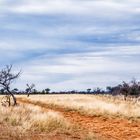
[71,117]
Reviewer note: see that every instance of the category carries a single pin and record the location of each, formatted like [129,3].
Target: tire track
[108,128]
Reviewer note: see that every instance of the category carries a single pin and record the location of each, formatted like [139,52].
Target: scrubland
[25,120]
[71,117]
[93,105]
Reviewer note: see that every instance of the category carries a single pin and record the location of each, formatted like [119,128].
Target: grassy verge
[91,105]
[25,120]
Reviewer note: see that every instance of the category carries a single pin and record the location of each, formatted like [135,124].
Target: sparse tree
[47,90]
[134,88]
[29,89]
[127,89]
[88,90]
[6,79]
[35,91]
[43,91]
[97,90]
[124,89]
[15,90]
[109,89]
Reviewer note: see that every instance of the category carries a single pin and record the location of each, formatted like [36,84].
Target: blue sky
[71,44]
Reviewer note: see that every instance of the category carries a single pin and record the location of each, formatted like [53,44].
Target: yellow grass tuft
[28,117]
[92,105]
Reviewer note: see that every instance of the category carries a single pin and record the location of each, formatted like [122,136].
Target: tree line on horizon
[7,77]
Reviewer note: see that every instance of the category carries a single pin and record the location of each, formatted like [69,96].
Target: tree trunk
[14,98]
[28,94]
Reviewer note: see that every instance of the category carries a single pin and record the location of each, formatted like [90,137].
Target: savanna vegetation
[112,114]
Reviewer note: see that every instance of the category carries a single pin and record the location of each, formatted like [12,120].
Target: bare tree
[29,89]
[6,79]
[88,90]
[47,90]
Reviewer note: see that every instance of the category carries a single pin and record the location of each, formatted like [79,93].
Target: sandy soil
[105,128]
[108,128]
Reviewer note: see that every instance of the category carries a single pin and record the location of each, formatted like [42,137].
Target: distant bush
[127,89]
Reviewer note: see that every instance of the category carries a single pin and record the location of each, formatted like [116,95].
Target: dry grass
[93,105]
[31,117]
[25,119]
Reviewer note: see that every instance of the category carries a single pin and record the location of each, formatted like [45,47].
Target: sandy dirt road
[107,128]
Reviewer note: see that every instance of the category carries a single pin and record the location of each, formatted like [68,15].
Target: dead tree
[29,89]
[6,79]
[125,90]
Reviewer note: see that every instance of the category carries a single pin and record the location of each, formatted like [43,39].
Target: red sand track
[108,128]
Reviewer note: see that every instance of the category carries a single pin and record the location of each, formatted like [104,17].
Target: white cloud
[91,42]
[95,8]
[83,70]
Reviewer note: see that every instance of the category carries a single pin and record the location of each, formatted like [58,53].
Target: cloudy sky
[71,44]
